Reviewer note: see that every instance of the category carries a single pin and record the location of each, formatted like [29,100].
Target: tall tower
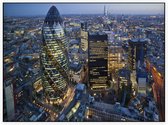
[84,36]
[105,10]
[136,52]
[54,58]
[98,63]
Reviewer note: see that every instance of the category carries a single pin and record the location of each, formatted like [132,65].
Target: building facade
[136,52]
[124,86]
[84,37]
[98,61]
[54,60]
[142,80]
[115,55]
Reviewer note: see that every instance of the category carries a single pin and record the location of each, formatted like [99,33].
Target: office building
[136,53]
[10,69]
[124,86]
[84,37]
[100,111]
[158,88]
[115,57]
[142,79]
[98,62]
[54,59]
[8,102]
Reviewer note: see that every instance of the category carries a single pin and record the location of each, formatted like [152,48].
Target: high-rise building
[115,57]
[8,102]
[142,79]
[136,53]
[98,63]
[105,11]
[10,70]
[158,88]
[54,60]
[124,86]
[84,37]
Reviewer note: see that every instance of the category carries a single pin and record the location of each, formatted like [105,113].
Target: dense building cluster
[100,67]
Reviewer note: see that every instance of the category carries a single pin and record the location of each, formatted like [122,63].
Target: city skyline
[87,68]
[31,9]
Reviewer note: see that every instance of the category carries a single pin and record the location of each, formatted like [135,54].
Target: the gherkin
[53,15]
[54,59]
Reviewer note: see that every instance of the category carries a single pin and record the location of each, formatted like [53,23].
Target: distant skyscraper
[54,60]
[84,36]
[98,63]
[105,11]
[136,52]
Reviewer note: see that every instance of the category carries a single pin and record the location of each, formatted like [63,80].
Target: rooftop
[53,16]
[137,40]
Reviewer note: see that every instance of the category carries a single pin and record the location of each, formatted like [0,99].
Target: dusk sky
[42,9]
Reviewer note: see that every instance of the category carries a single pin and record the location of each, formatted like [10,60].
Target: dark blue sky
[41,9]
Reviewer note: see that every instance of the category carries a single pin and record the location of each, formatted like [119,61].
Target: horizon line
[86,14]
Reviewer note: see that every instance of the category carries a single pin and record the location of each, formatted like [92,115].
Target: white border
[79,1]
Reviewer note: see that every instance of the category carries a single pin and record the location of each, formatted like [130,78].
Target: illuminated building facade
[136,52]
[159,91]
[115,57]
[98,62]
[158,88]
[84,37]
[54,59]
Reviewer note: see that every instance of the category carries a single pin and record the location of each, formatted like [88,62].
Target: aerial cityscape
[83,62]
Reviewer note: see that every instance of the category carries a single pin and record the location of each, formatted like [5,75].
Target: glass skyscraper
[98,61]
[136,52]
[54,58]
